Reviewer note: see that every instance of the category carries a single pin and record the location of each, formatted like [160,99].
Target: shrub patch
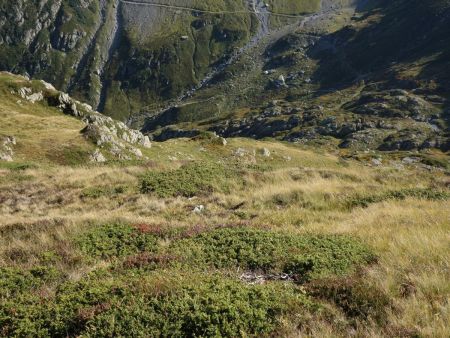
[188,181]
[304,256]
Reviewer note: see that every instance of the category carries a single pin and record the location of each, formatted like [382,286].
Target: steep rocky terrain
[121,55]
[300,71]
[370,79]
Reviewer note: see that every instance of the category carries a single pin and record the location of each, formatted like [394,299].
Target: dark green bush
[115,240]
[305,256]
[153,305]
[428,193]
[189,180]
[14,281]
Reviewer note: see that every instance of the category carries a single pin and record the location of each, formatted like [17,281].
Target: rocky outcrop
[27,94]
[6,148]
[395,103]
[97,157]
[113,138]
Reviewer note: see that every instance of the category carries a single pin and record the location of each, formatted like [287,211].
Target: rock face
[6,148]
[27,94]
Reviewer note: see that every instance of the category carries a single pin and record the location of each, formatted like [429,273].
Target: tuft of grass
[97,192]
[355,297]
[17,166]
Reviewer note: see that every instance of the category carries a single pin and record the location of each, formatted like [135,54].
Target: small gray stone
[265,152]
[97,157]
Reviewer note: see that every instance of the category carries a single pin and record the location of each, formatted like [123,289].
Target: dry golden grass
[293,190]
[43,134]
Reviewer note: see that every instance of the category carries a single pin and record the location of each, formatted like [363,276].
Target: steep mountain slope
[377,79]
[122,55]
[63,42]
[354,74]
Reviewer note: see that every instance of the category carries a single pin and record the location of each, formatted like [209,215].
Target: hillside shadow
[393,32]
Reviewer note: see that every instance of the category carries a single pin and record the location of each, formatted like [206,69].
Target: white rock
[6,157]
[47,85]
[409,160]
[376,162]
[199,209]
[24,92]
[136,152]
[240,152]
[97,156]
[145,142]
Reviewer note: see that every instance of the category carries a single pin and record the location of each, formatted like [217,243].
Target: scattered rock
[256,278]
[279,83]
[376,162]
[137,152]
[410,160]
[223,141]
[6,148]
[27,94]
[35,97]
[240,152]
[47,85]
[145,142]
[199,209]
[265,152]
[114,135]
[97,157]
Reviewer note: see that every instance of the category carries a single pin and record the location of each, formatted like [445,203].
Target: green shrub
[14,281]
[154,305]
[115,240]
[189,180]
[304,256]
[428,193]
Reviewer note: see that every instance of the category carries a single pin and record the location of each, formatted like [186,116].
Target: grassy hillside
[43,133]
[293,7]
[253,238]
